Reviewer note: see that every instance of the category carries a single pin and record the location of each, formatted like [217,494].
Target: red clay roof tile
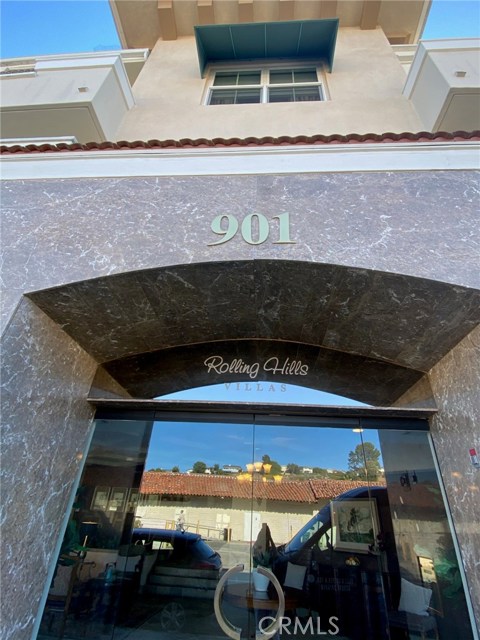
[234,487]
[188,143]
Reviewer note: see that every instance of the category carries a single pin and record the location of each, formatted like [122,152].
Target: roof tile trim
[266,141]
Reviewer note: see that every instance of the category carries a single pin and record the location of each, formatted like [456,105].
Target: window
[254,86]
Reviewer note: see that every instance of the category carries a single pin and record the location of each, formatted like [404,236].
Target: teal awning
[298,39]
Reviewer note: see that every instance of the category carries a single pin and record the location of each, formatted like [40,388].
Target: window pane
[307,94]
[248,97]
[305,75]
[280,95]
[225,79]
[249,77]
[223,97]
[233,96]
[281,77]
[228,78]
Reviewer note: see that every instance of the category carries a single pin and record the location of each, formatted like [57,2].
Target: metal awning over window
[298,39]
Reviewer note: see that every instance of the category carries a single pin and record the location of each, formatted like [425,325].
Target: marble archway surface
[369,333]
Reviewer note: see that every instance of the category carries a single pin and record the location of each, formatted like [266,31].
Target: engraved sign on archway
[274,365]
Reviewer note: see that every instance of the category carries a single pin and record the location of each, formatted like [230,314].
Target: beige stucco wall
[85,98]
[208,517]
[365,90]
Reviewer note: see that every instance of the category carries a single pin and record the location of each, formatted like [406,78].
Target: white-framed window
[256,85]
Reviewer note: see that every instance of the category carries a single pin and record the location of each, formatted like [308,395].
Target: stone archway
[363,333]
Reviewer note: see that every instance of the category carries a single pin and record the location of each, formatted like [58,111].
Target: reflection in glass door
[339,531]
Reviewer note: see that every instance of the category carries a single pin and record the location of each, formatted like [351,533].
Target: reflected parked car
[181,569]
[178,548]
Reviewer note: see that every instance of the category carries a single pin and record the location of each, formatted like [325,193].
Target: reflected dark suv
[356,586]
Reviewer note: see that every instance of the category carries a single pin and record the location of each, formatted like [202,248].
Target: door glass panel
[430,576]
[94,577]
[193,522]
[350,523]
[323,518]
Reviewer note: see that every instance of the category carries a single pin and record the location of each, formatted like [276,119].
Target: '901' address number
[254,229]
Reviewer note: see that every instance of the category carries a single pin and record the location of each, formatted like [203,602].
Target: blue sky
[453,19]
[260,391]
[40,27]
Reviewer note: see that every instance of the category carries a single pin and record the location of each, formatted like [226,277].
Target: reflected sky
[183,443]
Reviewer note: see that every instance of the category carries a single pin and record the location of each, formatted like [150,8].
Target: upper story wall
[365,96]
[82,96]
[444,84]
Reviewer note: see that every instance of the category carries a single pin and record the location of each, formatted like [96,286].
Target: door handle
[234,632]
[227,627]
[272,629]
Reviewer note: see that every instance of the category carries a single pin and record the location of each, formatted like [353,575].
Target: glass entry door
[197,527]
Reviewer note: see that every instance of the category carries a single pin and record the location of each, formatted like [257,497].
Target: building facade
[269,214]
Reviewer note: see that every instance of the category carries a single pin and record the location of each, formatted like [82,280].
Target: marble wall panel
[455,382]
[417,223]
[46,426]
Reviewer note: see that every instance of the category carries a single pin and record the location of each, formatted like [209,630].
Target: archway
[370,333]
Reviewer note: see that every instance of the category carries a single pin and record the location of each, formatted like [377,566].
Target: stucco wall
[283,518]
[86,98]
[365,90]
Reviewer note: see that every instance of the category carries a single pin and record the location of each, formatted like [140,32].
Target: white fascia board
[11,142]
[123,81]
[76,63]
[127,55]
[203,162]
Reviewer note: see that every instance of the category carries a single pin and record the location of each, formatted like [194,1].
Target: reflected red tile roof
[233,487]
[266,141]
